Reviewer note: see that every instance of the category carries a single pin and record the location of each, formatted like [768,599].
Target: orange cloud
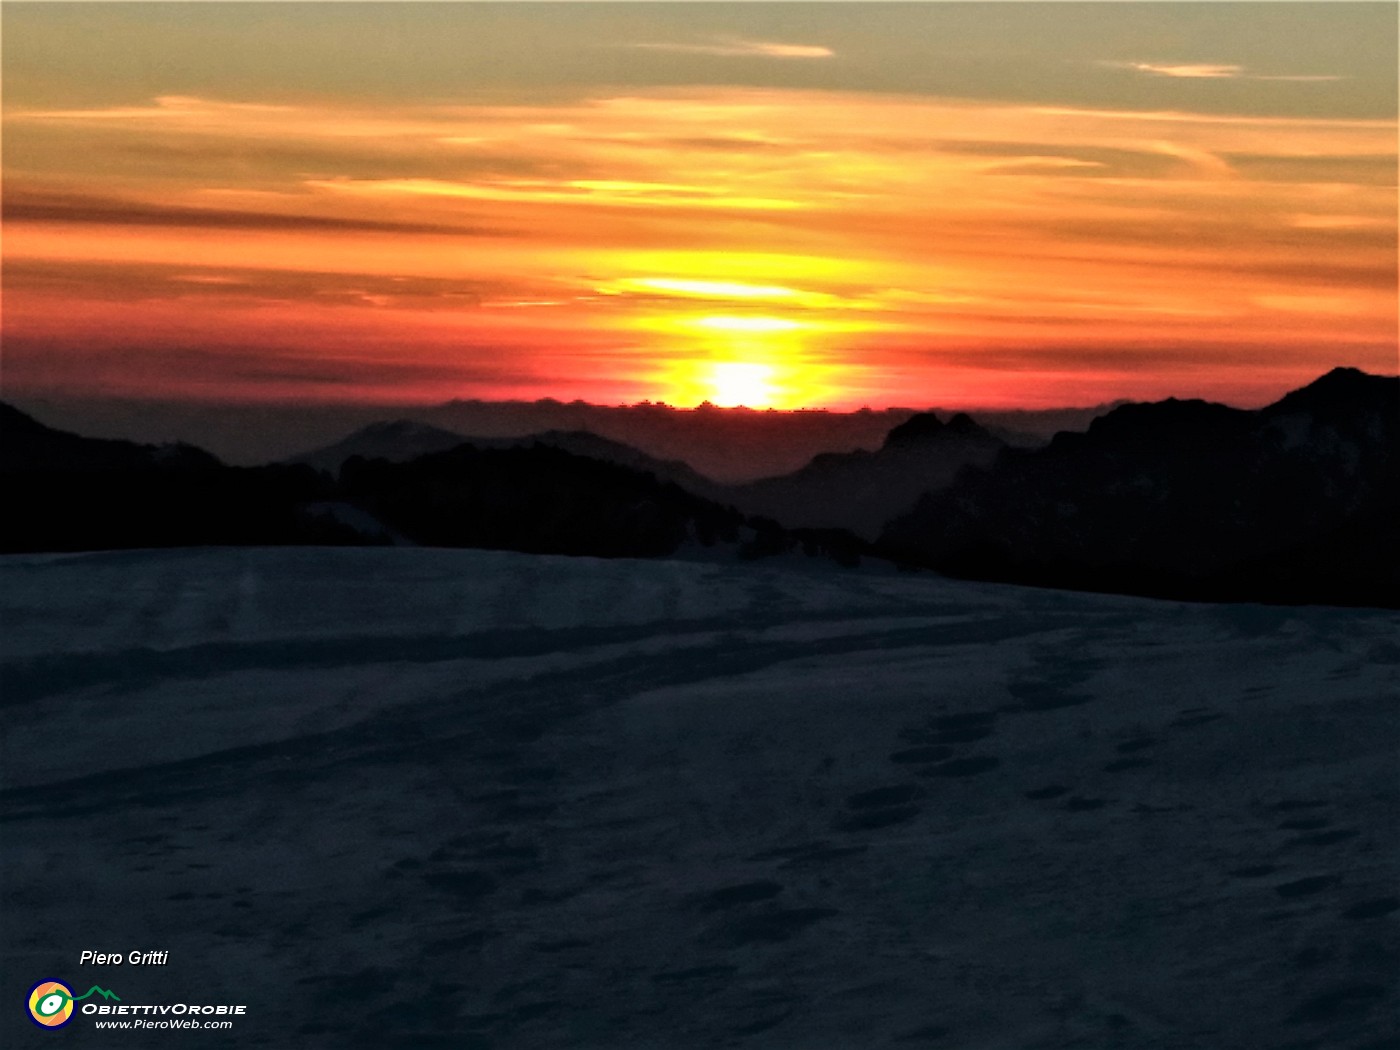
[871,244]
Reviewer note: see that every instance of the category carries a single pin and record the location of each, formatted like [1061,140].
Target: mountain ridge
[1296,501]
[76,493]
[1187,499]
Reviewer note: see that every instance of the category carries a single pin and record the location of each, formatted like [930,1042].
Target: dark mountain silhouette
[1031,427]
[543,499]
[28,445]
[397,441]
[402,440]
[584,443]
[728,445]
[65,492]
[1294,502]
[860,491]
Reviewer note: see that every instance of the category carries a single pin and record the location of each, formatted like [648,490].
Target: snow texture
[406,798]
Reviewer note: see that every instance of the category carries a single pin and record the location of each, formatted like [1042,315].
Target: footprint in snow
[1323,838]
[1304,887]
[894,794]
[964,728]
[1376,908]
[1341,1002]
[818,857]
[927,1033]
[695,973]
[1078,804]
[1290,805]
[919,755]
[1254,871]
[1304,824]
[1188,720]
[774,926]
[742,893]
[962,767]
[1122,765]
[1127,747]
[872,819]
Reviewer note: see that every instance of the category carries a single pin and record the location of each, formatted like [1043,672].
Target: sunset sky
[997,204]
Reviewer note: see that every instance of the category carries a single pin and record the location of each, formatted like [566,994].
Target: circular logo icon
[51,1004]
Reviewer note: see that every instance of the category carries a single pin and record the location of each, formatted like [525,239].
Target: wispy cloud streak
[1210,71]
[735,48]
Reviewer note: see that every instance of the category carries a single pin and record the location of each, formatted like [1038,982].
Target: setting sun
[751,360]
[735,383]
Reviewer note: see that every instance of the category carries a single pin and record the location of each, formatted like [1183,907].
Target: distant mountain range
[66,492]
[729,445]
[401,440]
[1295,502]
[858,491]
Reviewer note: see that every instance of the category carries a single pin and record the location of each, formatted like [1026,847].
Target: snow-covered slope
[419,798]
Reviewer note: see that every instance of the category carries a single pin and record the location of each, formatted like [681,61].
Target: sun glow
[757,361]
[710,289]
[738,383]
[749,324]
[771,371]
